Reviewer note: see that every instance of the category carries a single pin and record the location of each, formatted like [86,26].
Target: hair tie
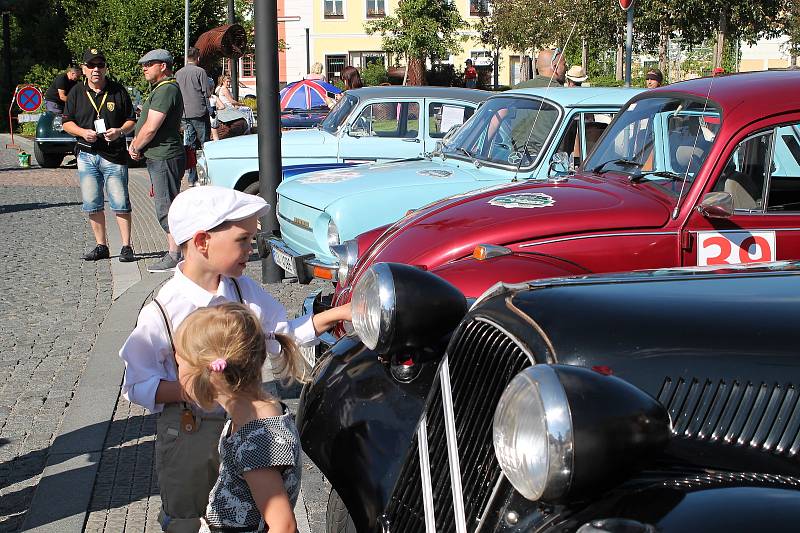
[218,365]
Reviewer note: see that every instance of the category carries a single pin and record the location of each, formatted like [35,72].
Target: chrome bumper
[303,267]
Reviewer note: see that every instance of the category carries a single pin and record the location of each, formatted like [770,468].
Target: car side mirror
[716,205]
[559,164]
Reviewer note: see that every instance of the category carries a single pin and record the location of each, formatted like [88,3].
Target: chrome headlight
[562,430]
[401,307]
[533,433]
[58,123]
[373,307]
[333,233]
[347,255]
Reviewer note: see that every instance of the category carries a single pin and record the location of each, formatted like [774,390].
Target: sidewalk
[99,475]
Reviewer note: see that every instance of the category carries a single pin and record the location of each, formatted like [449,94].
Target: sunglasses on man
[95,64]
[151,63]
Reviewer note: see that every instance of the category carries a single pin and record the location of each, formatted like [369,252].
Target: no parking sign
[29,98]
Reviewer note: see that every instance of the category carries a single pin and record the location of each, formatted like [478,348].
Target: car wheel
[337,519]
[46,160]
[253,188]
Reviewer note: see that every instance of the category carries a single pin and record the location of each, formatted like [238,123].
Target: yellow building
[338,37]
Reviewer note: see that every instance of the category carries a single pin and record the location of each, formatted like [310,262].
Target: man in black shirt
[56,95]
[99,114]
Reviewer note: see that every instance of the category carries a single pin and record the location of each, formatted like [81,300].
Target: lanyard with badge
[159,84]
[99,123]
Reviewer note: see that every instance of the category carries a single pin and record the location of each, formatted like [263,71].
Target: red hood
[582,204]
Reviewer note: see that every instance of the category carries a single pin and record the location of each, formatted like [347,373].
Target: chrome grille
[482,360]
[759,415]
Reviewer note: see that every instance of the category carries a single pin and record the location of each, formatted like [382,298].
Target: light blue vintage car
[515,135]
[367,125]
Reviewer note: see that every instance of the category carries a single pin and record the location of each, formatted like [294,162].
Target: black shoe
[126,255]
[99,252]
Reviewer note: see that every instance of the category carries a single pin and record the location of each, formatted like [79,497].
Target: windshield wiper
[469,154]
[674,176]
[621,162]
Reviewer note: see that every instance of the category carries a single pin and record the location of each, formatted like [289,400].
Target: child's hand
[327,319]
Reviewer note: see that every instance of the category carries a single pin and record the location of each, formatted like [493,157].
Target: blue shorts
[96,175]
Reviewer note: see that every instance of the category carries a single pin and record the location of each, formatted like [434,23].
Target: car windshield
[338,114]
[507,131]
[660,140]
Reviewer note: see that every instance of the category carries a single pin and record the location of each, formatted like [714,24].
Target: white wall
[296,37]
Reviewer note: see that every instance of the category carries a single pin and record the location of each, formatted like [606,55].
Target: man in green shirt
[551,67]
[158,138]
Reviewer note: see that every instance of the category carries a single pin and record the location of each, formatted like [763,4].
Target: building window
[376,8]
[478,8]
[362,59]
[248,66]
[334,66]
[333,9]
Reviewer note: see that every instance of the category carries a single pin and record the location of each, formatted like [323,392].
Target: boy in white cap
[214,227]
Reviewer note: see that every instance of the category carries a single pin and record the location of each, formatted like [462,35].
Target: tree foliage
[420,29]
[126,30]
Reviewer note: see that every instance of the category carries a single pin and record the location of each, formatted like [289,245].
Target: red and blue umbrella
[305,94]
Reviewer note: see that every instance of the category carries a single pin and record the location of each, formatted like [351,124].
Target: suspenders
[189,422]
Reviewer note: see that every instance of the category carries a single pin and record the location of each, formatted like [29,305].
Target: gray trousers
[166,178]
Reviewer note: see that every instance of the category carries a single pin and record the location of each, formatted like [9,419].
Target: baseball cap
[206,207]
[159,54]
[91,54]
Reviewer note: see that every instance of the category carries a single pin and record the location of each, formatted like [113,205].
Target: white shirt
[148,353]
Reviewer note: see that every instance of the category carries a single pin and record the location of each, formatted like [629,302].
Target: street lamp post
[269,121]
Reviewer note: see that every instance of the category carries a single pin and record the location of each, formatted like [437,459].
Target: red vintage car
[702,172]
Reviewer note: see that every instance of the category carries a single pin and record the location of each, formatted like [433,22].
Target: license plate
[284,260]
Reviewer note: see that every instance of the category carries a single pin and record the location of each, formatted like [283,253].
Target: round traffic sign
[625,4]
[29,98]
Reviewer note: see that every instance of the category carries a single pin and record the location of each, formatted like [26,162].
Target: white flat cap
[206,207]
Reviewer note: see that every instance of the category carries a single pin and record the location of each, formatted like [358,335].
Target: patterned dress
[261,443]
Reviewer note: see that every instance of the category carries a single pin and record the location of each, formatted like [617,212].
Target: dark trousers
[196,132]
[166,178]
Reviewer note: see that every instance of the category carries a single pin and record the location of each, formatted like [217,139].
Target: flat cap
[159,54]
[206,207]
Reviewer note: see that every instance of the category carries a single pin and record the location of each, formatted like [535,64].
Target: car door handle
[411,140]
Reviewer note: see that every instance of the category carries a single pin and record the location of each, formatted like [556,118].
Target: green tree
[420,30]
[126,30]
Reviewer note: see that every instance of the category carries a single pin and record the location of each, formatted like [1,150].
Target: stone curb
[61,501]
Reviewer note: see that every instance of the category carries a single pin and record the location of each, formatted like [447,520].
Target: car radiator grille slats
[759,415]
[482,361]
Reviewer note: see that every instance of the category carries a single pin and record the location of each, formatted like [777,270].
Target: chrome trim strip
[514,338]
[452,447]
[751,230]
[632,234]
[295,224]
[425,475]
[63,140]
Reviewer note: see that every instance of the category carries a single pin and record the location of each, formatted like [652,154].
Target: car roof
[772,92]
[400,91]
[580,96]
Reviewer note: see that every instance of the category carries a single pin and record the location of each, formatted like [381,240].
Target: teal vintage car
[516,135]
[367,125]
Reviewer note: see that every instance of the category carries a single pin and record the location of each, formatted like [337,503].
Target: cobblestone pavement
[51,307]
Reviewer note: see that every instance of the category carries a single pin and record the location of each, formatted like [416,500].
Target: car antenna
[546,90]
[694,147]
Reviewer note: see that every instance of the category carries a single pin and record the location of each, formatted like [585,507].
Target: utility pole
[185,32]
[269,121]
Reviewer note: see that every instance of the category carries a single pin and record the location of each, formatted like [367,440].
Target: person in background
[99,113]
[315,73]
[654,78]
[351,79]
[551,66]
[223,92]
[470,75]
[576,76]
[193,84]
[56,95]
[158,138]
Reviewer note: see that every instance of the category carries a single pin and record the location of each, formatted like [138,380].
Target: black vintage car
[656,401]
